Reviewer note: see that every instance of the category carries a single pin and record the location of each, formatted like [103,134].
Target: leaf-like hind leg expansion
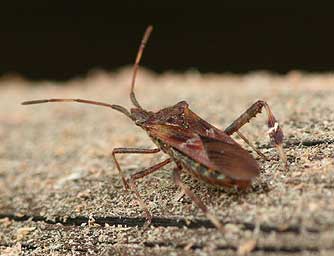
[275,132]
[197,201]
[129,151]
[140,175]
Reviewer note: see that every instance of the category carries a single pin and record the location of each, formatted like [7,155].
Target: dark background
[60,40]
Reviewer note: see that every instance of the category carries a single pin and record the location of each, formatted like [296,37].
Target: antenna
[142,45]
[116,107]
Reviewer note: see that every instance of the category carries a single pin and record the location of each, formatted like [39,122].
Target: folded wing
[221,155]
[230,159]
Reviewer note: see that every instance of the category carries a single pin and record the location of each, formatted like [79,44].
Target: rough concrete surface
[60,193]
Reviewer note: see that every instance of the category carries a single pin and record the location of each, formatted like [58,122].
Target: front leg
[129,151]
[275,132]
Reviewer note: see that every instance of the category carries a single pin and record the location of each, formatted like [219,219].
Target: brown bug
[192,144]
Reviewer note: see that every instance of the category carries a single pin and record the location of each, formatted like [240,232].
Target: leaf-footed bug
[192,144]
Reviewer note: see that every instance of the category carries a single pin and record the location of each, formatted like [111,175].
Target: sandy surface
[60,192]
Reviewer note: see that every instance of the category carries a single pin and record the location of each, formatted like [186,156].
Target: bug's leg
[252,146]
[275,132]
[129,151]
[197,201]
[140,175]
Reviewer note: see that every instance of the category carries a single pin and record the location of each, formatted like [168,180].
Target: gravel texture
[60,192]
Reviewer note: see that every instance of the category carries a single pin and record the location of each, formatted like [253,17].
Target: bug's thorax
[169,116]
[178,118]
[173,115]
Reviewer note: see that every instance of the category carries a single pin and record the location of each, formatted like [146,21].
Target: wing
[231,159]
[225,156]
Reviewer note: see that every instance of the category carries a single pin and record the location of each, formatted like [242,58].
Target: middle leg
[198,202]
[129,151]
[142,174]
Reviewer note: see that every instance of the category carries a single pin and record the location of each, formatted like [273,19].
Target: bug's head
[140,116]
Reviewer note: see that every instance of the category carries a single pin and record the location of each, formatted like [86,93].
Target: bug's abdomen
[202,172]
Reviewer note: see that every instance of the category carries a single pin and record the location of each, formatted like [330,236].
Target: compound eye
[138,122]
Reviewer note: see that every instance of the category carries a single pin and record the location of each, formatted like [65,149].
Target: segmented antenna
[116,107]
[136,65]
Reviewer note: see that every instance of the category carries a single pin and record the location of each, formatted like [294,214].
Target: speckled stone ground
[60,193]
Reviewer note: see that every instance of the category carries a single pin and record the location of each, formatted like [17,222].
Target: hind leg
[275,132]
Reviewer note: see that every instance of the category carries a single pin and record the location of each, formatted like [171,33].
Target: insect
[192,144]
